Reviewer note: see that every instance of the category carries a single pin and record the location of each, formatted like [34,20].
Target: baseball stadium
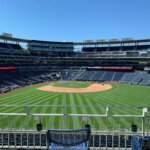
[52,85]
[74,75]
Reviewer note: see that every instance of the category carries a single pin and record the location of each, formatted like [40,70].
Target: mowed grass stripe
[32,100]
[62,101]
[98,121]
[53,121]
[21,110]
[22,91]
[116,100]
[112,100]
[119,111]
[74,110]
[35,109]
[57,120]
[24,97]
[93,110]
[43,109]
[16,97]
[83,109]
[69,120]
[109,120]
[14,94]
[46,100]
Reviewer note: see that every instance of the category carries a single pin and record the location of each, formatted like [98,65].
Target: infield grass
[120,95]
[71,84]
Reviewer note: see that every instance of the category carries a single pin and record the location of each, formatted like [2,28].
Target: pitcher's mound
[92,88]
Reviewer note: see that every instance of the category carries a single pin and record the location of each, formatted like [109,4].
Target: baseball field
[74,97]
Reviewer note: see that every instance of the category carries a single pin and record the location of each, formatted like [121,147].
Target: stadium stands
[14,79]
[116,48]
[129,77]
[108,76]
[98,75]
[141,78]
[118,76]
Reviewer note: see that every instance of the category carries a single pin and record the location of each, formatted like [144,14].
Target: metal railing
[110,130]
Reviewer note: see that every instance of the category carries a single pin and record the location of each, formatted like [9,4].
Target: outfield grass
[119,95]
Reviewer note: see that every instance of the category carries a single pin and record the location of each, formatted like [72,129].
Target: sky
[75,20]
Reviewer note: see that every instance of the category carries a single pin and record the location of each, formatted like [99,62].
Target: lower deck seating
[141,78]
[19,78]
[145,79]
[98,75]
[14,79]
[87,75]
[118,76]
[108,76]
[129,77]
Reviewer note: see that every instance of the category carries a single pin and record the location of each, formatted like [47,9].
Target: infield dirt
[92,88]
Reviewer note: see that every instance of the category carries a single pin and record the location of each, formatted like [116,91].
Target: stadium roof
[87,42]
